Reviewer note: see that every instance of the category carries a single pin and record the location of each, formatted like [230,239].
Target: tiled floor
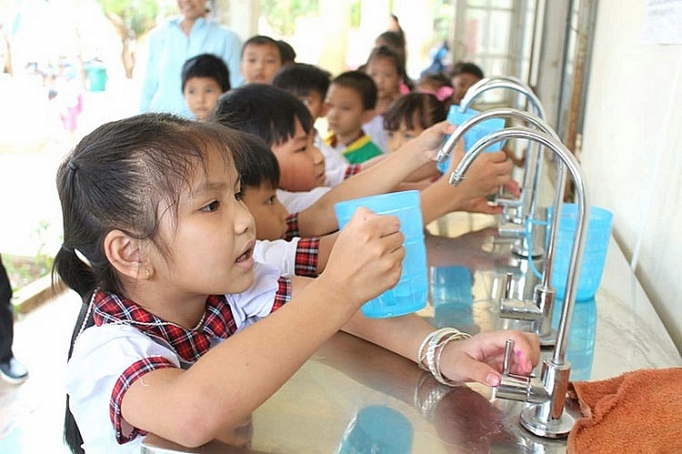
[31,414]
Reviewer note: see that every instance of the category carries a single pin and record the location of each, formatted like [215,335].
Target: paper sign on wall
[663,22]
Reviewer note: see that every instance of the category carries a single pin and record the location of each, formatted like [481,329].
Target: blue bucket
[594,255]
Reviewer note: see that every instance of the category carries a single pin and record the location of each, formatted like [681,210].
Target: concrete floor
[32,414]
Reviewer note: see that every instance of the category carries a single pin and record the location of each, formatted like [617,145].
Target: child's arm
[319,219]
[326,245]
[487,173]
[222,388]
[463,360]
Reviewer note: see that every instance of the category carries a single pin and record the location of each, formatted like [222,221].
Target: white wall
[632,150]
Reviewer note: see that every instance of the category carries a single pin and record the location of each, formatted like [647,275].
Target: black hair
[286,52]
[209,66]
[438,79]
[256,164]
[414,109]
[121,176]
[390,53]
[362,84]
[262,40]
[266,111]
[467,68]
[395,40]
[302,78]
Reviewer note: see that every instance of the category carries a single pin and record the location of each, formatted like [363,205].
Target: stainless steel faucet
[545,416]
[514,226]
[526,205]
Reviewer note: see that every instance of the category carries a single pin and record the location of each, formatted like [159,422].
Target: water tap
[514,223]
[545,417]
[517,210]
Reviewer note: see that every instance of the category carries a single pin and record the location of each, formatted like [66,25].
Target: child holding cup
[183,335]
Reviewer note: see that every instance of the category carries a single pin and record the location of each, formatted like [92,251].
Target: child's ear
[125,254]
[367,115]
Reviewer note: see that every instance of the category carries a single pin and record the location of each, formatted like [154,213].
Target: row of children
[182,332]
[210,262]
[312,175]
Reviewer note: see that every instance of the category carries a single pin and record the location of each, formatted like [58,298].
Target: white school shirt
[335,163]
[279,253]
[295,202]
[374,128]
[102,353]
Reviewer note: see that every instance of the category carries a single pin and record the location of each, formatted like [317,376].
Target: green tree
[132,19]
[282,14]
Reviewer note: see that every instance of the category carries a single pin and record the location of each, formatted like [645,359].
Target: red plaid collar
[190,344]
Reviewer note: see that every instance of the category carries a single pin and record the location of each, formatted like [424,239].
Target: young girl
[384,67]
[408,117]
[438,85]
[183,335]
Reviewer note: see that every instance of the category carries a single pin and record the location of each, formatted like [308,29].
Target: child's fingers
[480,358]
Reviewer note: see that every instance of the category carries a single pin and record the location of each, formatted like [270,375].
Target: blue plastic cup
[594,255]
[378,429]
[474,134]
[410,294]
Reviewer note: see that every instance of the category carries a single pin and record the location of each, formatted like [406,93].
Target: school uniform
[359,150]
[297,256]
[336,166]
[127,342]
[375,129]
[298,201]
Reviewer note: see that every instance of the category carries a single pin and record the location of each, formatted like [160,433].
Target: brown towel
[637,412]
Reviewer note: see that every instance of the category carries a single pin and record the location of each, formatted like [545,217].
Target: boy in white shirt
[310,83]
[285,124]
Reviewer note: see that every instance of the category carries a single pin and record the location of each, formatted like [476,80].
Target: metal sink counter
[352,396]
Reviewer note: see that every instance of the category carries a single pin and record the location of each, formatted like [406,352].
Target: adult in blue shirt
[175,41]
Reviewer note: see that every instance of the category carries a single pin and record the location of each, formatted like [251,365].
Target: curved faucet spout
[527,205]
[510,83]
[547,419]
[505,112]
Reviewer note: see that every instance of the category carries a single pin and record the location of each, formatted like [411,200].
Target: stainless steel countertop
[333,403]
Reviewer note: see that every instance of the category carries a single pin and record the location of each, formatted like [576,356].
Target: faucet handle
[506,361]
[517,387]
[508,289]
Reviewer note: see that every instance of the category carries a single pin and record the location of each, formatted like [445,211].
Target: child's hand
[487,173]
[367,257]
[430,140]
[480,358]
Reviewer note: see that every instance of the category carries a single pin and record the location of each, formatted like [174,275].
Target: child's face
[396,139]
[461,83]
[212,242]
[268,212]
[301,164]
[386,77]
[201,95]
[314,102]
[260,62]
[345,113]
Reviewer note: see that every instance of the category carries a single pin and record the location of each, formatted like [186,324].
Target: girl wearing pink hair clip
[438,85]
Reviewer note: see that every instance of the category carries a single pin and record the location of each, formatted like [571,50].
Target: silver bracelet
[431,351]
